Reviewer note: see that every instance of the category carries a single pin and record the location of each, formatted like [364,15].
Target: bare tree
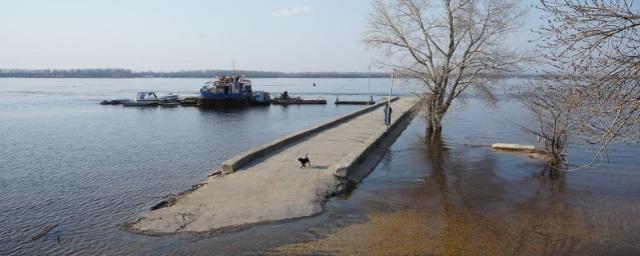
[552,111]
[448,45]
[594,45]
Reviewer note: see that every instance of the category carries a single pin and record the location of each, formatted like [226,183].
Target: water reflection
[67,160]
[470,201]
[480,213]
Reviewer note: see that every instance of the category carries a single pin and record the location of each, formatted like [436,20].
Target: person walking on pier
[387,114]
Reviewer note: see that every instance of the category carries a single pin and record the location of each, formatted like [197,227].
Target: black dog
[304,161]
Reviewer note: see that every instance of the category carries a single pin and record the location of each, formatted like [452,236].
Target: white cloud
[296,11]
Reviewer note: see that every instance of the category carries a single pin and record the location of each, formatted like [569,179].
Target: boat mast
[233,66]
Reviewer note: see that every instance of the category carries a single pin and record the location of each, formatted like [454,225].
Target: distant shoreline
[126,73]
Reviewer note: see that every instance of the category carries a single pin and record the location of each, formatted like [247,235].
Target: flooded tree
[552,111]
[593,48]
[448,45]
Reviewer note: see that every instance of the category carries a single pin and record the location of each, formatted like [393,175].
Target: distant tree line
[68,73]
[126,73]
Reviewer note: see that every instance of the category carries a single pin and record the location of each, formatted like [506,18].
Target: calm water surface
[89,168]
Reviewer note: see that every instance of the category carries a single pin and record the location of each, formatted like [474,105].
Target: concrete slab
[273,187]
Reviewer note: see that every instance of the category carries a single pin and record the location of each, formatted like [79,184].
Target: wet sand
[440,229]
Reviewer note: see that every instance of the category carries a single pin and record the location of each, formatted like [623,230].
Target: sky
[171,35]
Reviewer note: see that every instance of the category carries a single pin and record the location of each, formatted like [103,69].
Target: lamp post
[387,114]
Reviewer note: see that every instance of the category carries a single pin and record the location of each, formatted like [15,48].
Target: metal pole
[389,99]
[391,88]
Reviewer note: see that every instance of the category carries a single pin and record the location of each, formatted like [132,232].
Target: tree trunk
[557,148]
[434,128]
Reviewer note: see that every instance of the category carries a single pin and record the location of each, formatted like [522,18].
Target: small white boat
[143,99]
[169,98]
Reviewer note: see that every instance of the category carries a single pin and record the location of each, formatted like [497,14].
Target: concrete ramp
[272,186]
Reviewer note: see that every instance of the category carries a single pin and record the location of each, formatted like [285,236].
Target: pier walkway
[273,186]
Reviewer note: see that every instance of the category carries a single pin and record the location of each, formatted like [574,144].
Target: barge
[231,91]
[285,99]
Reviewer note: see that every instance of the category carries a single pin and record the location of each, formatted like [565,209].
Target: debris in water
[43,232]
[514,147]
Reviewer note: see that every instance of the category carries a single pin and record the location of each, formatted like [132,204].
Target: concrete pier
[267,184]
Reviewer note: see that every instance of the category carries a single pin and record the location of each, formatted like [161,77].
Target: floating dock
[354,102]
[298,101]
[268,184]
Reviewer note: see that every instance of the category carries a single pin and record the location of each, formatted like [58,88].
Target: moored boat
[111,102]
[285,99]
[261,98]
[226,90]
[189,101]
[169,103]
[143,99]
[169,98]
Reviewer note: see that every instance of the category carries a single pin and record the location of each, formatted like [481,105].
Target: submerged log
[44,232]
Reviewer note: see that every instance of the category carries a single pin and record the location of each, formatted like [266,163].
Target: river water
[89,168]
